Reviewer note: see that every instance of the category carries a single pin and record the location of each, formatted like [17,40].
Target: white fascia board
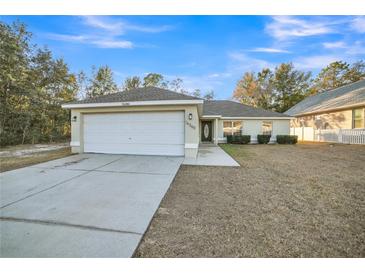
[257,118]
[211,116]
[136,103]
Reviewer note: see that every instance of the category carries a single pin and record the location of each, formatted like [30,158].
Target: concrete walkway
[211,155]
[88,205]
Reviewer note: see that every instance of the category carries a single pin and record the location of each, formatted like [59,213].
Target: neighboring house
[154,121]
[333,115]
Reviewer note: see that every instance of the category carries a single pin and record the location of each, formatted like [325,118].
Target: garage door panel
[137,149]
[136,117]
[135,127]
[137,140]
[144,133]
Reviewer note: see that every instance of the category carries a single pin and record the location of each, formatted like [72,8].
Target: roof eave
[133,103]
[248,117]
[329,110]
[257,118]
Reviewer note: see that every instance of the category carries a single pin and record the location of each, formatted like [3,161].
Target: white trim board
[257,118]
[245,118]
[134,103]
[191,145]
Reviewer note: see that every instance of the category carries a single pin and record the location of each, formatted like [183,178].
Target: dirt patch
[306,200]
[29,150]
[13,162]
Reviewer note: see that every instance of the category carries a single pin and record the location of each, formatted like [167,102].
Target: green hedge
[286,139]
[263,139]
[239,139]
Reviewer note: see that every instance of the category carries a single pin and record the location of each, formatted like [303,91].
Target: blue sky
[207,52]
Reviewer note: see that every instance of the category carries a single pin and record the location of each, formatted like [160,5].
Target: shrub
[238,139]
[286,139]
[263,139]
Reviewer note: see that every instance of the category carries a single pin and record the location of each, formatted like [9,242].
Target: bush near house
[263,139]
[286,139]
[239,139]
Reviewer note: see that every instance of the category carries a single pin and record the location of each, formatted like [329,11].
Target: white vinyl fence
[344,136]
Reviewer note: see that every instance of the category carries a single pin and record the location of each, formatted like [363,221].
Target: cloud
[358,24]
[286,27]
[155,29]
[219,75]
[241,62]
[105,32]
[113,44]
[334,45]
[98,41]
[120,27]
[354,48]
[67,37]
[269,50]
[103,23]
[316,61]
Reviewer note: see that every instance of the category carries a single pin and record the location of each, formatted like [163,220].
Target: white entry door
[140,133]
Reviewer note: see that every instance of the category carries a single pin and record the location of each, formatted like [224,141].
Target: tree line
[285,86]
[101,82]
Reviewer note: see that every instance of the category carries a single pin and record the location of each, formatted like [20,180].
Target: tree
[82,79]
[209,95]
[265,89]
[131,83]
[278,90]
[246,90]
[33,85]
[337,74]
[255,90]
[196,93]
[102,82]
[177,85]
[356,72]
[14,82]
[289,86]
[154,80]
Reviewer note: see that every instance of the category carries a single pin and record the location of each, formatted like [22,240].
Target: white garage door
[141,133]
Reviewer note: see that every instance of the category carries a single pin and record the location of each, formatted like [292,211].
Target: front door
[207,131]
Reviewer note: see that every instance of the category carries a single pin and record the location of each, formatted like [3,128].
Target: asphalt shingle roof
[234,109]
[138,94]
[224,108]
[330,100]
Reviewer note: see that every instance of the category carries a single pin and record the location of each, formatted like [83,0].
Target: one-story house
[338,109]
[155,121]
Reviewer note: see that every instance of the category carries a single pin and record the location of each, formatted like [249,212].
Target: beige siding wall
[332,120]
[254,127]
[191,126]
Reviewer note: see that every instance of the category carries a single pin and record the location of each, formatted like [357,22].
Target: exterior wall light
[190,116]
[74,118]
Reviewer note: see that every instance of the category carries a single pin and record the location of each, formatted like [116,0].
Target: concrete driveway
[89,205]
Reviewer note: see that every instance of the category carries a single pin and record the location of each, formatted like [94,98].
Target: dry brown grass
[306,200]
[14,162]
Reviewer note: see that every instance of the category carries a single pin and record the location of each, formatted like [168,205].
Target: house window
[266,128]
[358,118]
[232,128]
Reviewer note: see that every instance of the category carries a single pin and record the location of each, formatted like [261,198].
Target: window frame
[262,127]
[362,111]
[232,131]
